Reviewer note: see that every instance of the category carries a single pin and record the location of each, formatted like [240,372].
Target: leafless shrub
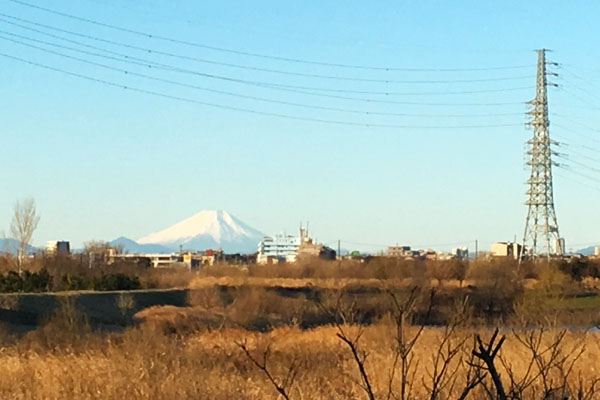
[67,328]
[404,362]
[550,363]
[208,298]
[284,384]
[447,361]
[404,344]
[164,278]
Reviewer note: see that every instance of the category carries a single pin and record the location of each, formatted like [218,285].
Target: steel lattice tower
[541,235]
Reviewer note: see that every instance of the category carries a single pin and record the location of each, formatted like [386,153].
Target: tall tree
[24,222]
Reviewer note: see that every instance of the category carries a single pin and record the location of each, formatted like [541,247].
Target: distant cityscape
[275,249]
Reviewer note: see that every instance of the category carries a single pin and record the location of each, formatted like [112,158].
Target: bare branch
[487,353]
[282,387]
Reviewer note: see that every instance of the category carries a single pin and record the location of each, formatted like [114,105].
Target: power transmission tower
[541,235]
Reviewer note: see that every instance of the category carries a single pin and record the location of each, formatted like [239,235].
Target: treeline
[116,281]
[32,282]
[42,281]
[387,268]
[499,275]
[70,273]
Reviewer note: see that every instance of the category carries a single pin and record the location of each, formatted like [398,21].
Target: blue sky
[103,161]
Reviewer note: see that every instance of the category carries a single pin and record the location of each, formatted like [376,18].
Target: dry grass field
[387,359]
[146,363]
[296,332]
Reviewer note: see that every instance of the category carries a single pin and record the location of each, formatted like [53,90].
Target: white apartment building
[277,248]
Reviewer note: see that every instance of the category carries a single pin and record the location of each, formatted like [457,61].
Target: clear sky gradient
[103,161]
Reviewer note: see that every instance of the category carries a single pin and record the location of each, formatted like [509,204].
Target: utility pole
[541,226]
[476,249]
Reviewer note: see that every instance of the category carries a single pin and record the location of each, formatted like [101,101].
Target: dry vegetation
[63,359]
[321,273]
[375,334]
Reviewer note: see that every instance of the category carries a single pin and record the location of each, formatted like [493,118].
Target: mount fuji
[204,230]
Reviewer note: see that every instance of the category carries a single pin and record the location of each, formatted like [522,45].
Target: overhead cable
[172,68]
[246,110]
[252,68]
[250,97]
[251,54]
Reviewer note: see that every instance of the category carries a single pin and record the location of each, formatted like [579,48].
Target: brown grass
[146,363]
[198,352]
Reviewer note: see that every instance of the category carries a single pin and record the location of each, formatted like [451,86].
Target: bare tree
[24,222]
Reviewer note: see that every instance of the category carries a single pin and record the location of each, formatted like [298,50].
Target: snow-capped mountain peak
[207,229]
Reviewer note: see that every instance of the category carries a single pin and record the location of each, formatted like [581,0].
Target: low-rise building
[60,247]
[308,249]
[399,251]
[428,254]
[462,253]
[506,249]
[153,260]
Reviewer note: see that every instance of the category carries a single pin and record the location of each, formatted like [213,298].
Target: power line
[417,245]
[583,135]
[582,90]
[172,68]
[293,88]
[251,54]
[336,90]
[364,244]
[590,168]
[576,122]
[586,104]
[591,178]
[587,80]
[577,181]
[272,86]
[241,109]
[445,244]
[584,244]
[398,102]
[578,153]
[251,68]
[227,93]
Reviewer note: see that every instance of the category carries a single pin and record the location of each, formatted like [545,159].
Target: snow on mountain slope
[207,229]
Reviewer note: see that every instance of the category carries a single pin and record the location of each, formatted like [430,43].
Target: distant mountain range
[587,251]
[9,245]
[207,229]
[131,246]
